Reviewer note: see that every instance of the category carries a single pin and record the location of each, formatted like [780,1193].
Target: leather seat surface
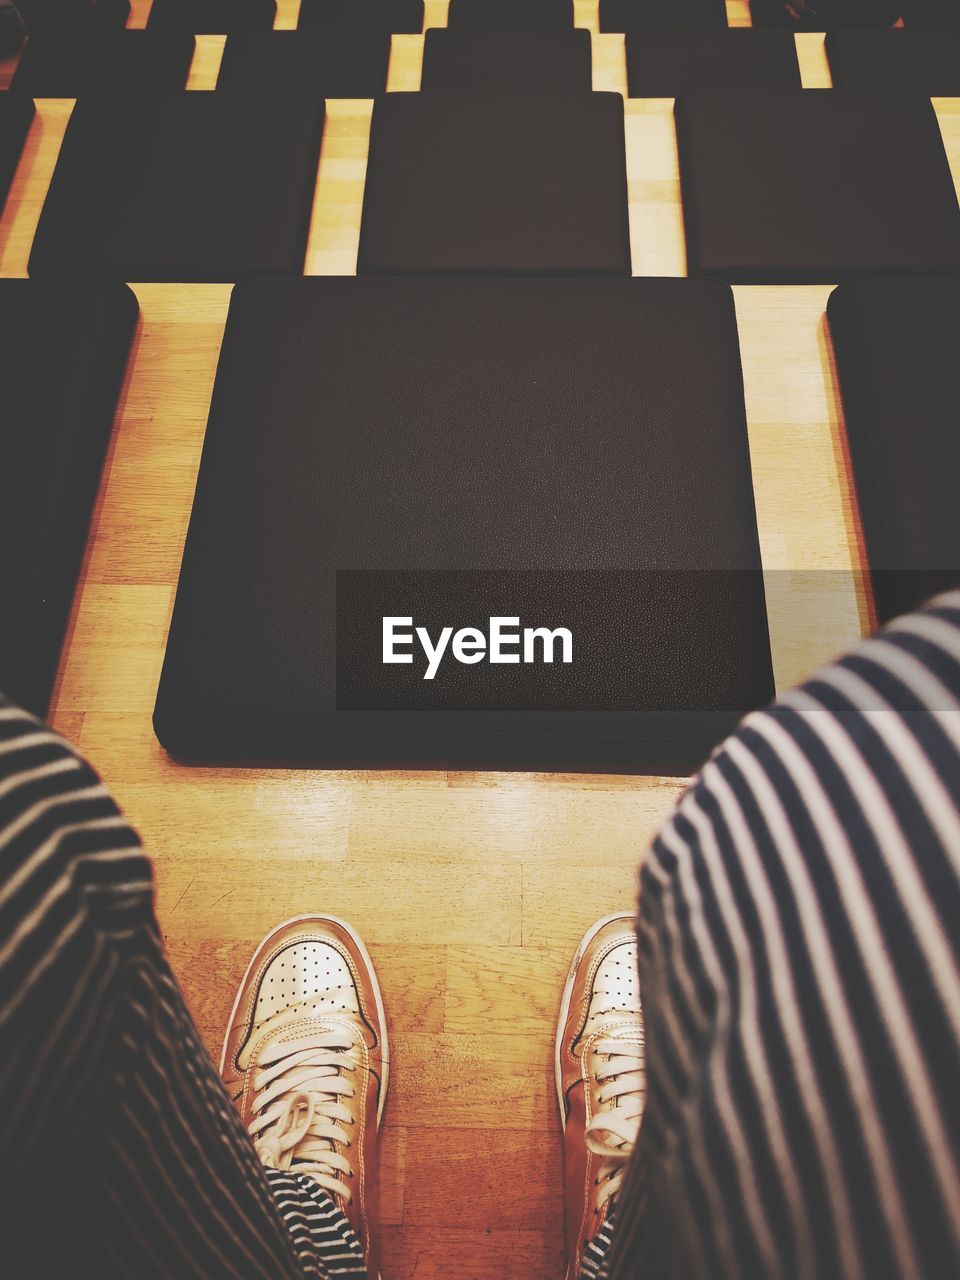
[566,451]
[66,64]
[816,186]
[896,343]
[16,116]
[542,59]
[335,63]
[496,182]
[62,361]
[397,16]
[510,13]
[213,17]
[912,59]
[626,15]
[194,186]
[665,62]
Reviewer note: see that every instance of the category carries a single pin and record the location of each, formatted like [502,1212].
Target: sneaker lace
[613,1130]
[301,1106]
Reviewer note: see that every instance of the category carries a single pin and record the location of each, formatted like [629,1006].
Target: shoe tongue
[287,1026]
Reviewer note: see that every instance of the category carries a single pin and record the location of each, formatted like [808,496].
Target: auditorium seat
[189,186]
[937,15]
[213,17]
[62,361]
[665,62]
[627,15]
[496,182]
[897,342]
[64,64]
[397,16]
[537,60]
[44,15]
[812,187]
[833,15]
[913,60]
[510,13]
[16,115]
[336,63]
[569,452]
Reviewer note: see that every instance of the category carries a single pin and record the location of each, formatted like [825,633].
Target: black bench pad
[538,60]
[496,182]
[510,13]
[189,186]
[16,116]
[816,186]
[397,16]
[345,63]
[662,63]
[912,60]
[62,361]
[628,15]
[896,343]
[451,447]
[66,64]
[213,17]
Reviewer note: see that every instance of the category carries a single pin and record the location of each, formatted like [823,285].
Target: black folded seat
[398,16]
[897,342]
[333,63]
[910,60]
[65,64]
[568,454]
[812,187]
[16,116]
[185,186]
[628,15]
[667,61]
[510,13]
[496,182]
[213,17]
[537,59]
[62,362]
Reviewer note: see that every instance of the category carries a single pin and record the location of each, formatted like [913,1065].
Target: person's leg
[799,941]
[121,1153]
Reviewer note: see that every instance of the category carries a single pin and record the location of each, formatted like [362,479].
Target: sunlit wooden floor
[472,889]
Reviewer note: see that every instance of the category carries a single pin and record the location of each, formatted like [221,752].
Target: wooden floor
[472,889]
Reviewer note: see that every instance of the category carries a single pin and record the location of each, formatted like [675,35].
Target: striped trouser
[799,936]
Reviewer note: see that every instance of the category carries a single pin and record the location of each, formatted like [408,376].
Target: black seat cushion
[213,17]
[938,15]
[189,186]
[626,15]
[347,63]
[501,182]
[539,59]
[510,13]
[814,186]
[453,450]
[673,60]
[824,15]
[397,16]
[44,15]
[16,114]
[64,64]
[911,60]
[896,343]
[62,361]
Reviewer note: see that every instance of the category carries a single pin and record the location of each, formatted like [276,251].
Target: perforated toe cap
[312,973]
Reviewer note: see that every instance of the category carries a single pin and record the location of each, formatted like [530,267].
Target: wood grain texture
[472,889]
